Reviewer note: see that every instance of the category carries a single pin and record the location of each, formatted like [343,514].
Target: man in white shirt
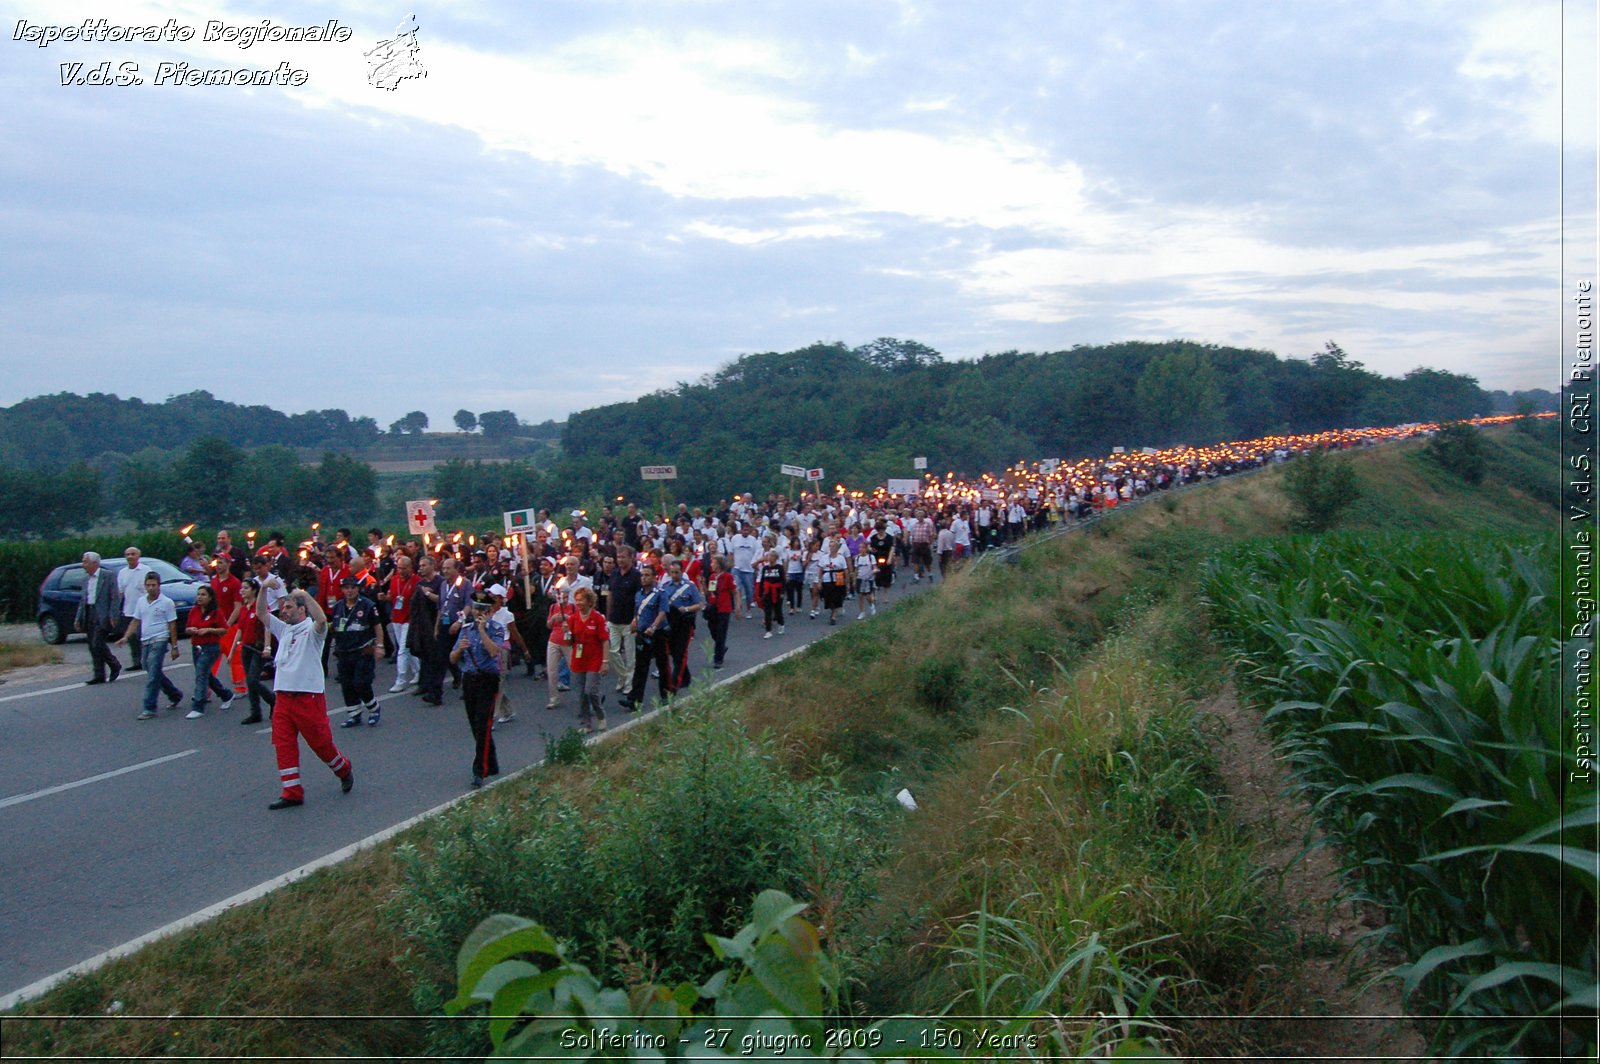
[300,630]
[130,582]
[156,617]
[744,547]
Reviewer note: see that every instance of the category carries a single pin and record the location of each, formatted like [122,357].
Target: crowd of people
[577,607]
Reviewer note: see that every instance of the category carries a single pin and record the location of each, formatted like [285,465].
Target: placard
[792,470]
[903,486]
[521,521]
[419,517]
[658,472]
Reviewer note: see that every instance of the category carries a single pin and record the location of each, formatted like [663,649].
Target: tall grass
[1417,693]
[1079,863]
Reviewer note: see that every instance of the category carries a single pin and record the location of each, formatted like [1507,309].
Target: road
[111,828]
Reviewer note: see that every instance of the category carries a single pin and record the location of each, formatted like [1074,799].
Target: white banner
[919,463]
[658,472]
[419,517]
[903,486]
[792,470]
[1049,465]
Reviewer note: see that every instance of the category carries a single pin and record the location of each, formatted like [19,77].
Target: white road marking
[18,799]
[134,684]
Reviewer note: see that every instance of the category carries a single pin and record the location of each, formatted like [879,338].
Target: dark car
[62,590]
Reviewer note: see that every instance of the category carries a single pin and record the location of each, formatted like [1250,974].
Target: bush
[710,823]
[939,684]
[1460,450]
[1320,489]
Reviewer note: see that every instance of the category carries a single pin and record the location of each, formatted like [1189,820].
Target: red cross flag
[419,517]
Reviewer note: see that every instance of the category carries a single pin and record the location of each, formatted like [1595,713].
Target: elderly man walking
[100,614]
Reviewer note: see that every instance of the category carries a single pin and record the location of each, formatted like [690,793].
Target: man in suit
[99,614]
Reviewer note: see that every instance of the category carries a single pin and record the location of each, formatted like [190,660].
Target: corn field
[1415,690]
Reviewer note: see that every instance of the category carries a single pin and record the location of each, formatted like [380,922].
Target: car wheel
[50,630]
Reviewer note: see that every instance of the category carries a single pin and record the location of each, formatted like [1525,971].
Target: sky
[584,202]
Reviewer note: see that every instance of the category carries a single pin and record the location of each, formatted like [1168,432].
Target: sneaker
[348,780]
[600,724]
[833,620]
[551,705]
[504,720]
[563,687]
[874,609]
[861,614]
[400,685]
[477,780]
[719,665]
[767,636]
[194,714]
[174,703]
[780,629]
[352,721]
[226,702]
[148,714]
[374,717]
[813,615]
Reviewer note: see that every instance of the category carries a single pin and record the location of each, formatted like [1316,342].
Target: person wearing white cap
[502,616]
[580,528]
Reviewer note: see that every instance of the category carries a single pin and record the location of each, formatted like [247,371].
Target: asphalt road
[111,828]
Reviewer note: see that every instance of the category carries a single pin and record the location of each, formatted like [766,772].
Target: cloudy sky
[586,201]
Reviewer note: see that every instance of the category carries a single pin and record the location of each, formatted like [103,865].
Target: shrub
[1320,489]
[1459,449]
[708,823]
[939,683]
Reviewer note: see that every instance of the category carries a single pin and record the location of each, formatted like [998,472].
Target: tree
[466,420]
[1320,489]
[1179,399]
[414,423]
[1459,449]
[898,356]
[498,424]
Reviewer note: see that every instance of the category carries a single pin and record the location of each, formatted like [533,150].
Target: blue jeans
[152,655]
[746,579]
[205,656]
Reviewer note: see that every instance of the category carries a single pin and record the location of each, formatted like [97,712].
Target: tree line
[860,413]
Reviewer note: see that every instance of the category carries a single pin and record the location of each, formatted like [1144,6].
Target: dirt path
[1336,1022]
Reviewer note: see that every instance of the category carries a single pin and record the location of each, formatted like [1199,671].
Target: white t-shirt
[153,617]
[744,550]
[131,583]
[298,659]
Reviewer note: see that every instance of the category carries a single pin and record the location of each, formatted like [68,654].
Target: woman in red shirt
[206,628]
[253,653]
[589,635]
[722,604]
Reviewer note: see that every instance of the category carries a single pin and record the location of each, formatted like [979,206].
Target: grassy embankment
[1046,716]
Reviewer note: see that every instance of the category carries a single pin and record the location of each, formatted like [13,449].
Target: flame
[186,529]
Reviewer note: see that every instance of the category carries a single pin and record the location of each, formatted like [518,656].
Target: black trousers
[255,663]
[355,677]
[133,644]
[480,691]
[717,622]
[650,650]
[431,670]
[680,633]
[100,646]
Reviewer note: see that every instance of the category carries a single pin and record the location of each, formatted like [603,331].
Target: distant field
[418,465]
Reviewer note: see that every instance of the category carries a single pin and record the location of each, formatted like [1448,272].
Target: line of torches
[1015,482]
